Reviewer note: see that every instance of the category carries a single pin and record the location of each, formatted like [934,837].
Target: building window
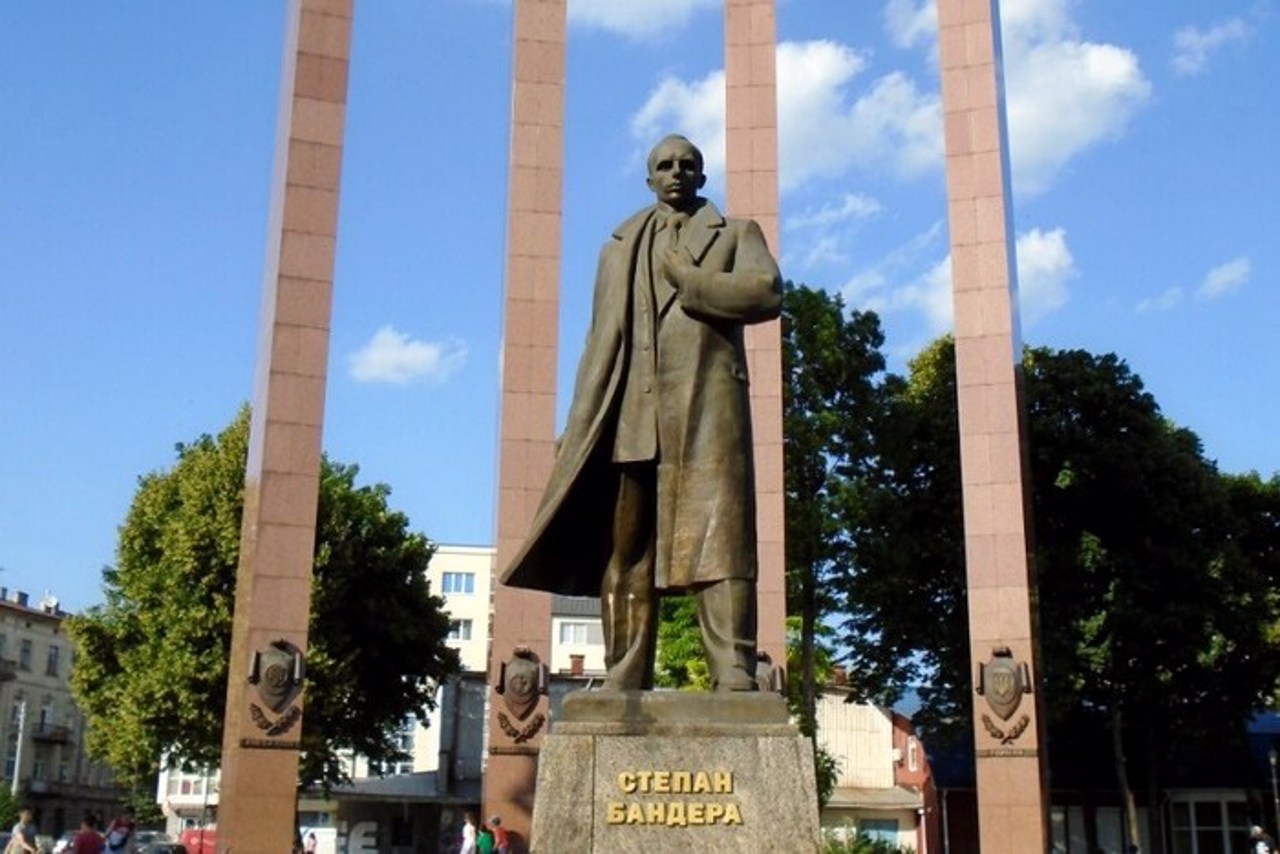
[404,743]
[913,755]
[24,656]
[1208,826]
[51,668]
[879,830]
[37,768]
[11,756]
[459,630]
[458,583]
[15,711]
[4,645]
[580,633]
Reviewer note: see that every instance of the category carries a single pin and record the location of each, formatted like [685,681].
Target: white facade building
[41,730]
[464,577]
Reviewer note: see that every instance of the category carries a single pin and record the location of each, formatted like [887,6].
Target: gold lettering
[656,812]
[662,782]
[714,812]
[675,814]
[681,782]
[627,782]
[635,814]
[697,813]
[646,781]
[732,815]
[615,813]
[701,783]
[723,783]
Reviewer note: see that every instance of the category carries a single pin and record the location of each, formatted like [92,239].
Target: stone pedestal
[639,771]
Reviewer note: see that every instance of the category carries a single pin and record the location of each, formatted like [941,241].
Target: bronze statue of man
[653,487]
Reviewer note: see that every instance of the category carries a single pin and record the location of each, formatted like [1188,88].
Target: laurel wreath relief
[520,736]
[283,725]
[1006,737]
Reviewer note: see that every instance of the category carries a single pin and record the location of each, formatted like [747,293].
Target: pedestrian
[501,840]
[312,843]
[1259,842]
[23,840]
[88,840]
[484,841]
[121,832]
[468,835]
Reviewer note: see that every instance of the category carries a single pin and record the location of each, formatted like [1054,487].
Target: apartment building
[42,731]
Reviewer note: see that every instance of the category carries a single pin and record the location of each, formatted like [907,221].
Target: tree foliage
[831,362]
[681,659]
[1155,572]
[151,667]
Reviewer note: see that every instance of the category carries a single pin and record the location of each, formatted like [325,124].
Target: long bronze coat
[706,527]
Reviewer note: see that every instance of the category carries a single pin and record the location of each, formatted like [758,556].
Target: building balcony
[51,733]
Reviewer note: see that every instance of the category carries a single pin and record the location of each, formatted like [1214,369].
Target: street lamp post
[1275,793]
[14,787]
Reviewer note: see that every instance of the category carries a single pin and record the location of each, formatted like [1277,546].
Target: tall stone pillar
[526,442]
[1008,723]
[258,794]
[751,158]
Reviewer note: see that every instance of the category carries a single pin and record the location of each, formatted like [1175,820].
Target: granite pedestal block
[642,771]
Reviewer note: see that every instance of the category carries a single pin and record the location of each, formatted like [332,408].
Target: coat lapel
[696,238]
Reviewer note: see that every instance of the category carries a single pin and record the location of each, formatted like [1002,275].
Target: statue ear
[702,181]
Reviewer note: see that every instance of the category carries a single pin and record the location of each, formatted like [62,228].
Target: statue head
[675,172]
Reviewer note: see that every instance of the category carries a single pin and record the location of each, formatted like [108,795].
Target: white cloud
[824,249]
[1163,302]
[1063,94]
[852,206]
[395,358]
[823,129]
[637,19]
[1045,265]
[693,109]
[1193,46]
[1225,279]
[910,22]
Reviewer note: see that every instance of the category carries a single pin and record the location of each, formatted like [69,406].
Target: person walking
[501,839]
[23,839]
[468,835]
[121,832]
[88,840]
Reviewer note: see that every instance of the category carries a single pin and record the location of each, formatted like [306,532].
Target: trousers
[629,602]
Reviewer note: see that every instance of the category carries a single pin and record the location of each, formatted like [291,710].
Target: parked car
[64,842]
[163,848]
[143,838]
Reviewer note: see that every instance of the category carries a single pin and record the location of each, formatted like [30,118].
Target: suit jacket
[706,491]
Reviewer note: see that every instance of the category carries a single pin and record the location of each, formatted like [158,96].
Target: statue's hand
[677,266]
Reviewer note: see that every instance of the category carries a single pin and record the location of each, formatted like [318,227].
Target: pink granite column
[751,159]
[526,443]
[1012,806]
[258,791]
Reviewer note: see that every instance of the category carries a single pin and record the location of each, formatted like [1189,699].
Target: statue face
[675,173]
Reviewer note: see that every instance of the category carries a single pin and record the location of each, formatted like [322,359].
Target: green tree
[9,806]
[831,401]
[1155,575]
[681,660]
[151,667]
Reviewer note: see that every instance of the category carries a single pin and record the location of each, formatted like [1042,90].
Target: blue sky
[135,153]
